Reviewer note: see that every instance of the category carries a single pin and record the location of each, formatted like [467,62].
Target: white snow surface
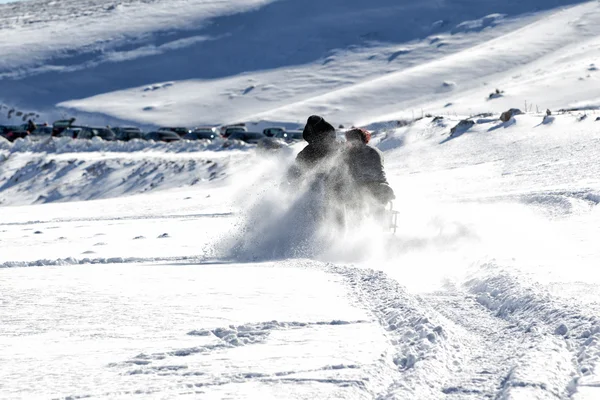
[489,289]
[188,270]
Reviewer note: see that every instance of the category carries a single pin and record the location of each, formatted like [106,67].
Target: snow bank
[68,145]
[62,169]
[87,260]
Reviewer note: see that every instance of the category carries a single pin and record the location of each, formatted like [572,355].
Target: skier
[365,167]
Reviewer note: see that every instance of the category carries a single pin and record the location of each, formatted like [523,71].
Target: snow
[495,245]
[106,325]
[187,270]
[218,62]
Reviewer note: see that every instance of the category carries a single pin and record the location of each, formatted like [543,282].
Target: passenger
[365,166]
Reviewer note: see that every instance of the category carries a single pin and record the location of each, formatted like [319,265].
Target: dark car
[178,130]
[228,131]
[248,137]
[41,132]
[71,132]
[273,131]
[61,125]
[202,134]
[289,136]
[90,133]
[162,136]
[128,133]
[13,133]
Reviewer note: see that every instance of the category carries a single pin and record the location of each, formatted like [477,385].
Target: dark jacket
[365,167]
[322,146]
[365,164]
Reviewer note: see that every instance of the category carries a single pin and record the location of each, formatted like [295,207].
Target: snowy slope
[203,62]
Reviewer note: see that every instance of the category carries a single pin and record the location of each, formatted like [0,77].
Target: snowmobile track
[490,346]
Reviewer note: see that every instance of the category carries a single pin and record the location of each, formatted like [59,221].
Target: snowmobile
[392,217]
[332,203]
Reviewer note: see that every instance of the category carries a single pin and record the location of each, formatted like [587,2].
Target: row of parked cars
[67,128]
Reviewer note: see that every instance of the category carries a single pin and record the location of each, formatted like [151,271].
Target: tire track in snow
[422,347]
[501,338]
[567,353]
[501,360]
[456,345]
[491,346]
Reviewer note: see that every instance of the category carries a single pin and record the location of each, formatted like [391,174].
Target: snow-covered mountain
[195,61]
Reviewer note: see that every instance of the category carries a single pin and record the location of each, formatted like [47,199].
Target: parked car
[72,132]
[248,137]
[61,125]
[41,133]
[127,133]
[274,131]
[232,129]
[202,134]
[179,130]
[162,136]
[207,129]
[91,132]
[13,133]
[290,136]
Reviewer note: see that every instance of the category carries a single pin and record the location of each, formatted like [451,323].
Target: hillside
[194,61]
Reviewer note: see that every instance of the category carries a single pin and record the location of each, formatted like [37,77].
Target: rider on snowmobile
[365,167]
[322,148]
[358,168]
[352,177]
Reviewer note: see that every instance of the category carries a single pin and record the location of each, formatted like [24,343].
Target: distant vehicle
[290,136]
[271,143]
[233,129]
[41,133]
[162,136]
[202,134]
[13,133]
[274,131]
[61,125]
[248,137]
[71,132]
[207,129]
[91,132]
[178,130]
[127,133]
